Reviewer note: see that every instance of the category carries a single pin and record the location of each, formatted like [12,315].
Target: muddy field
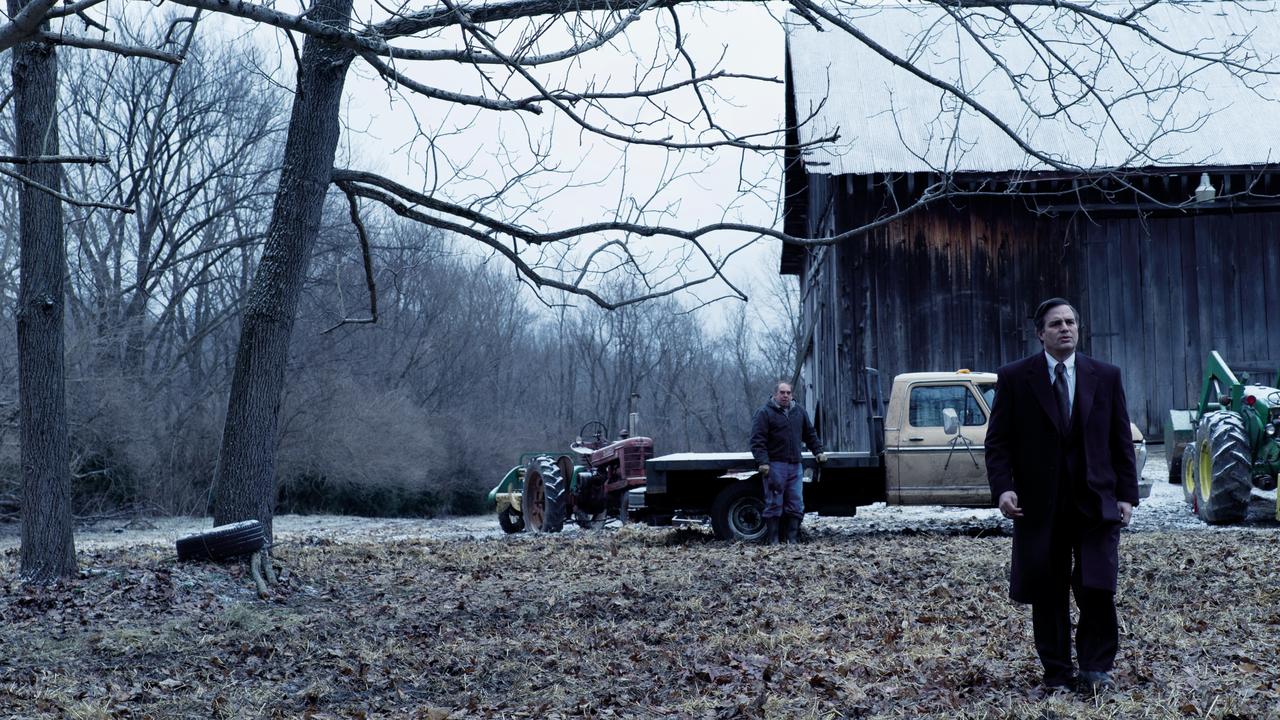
[890,614]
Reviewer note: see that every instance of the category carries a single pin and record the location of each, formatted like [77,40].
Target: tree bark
[48,547]
[245,483]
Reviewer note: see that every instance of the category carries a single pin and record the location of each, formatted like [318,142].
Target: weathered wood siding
[955,286]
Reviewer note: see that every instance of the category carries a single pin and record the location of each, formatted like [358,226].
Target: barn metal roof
[1124,103]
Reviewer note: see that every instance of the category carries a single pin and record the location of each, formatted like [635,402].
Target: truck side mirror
[950,421]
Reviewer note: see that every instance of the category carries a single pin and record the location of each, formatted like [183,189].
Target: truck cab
[924,463]
[929,460]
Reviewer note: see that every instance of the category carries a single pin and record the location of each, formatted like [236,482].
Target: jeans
[784,490]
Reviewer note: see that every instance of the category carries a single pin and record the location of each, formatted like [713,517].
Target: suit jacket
[1090,465]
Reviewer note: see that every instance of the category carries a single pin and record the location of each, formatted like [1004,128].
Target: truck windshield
[928,402]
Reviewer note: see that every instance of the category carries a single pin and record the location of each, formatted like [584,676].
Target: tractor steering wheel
[600,434]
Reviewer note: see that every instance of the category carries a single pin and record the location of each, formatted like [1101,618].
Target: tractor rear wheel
[1222,456]
[1188,467]
[545,495]
[738,512]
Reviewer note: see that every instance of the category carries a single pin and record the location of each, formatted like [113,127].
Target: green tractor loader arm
[1219,381]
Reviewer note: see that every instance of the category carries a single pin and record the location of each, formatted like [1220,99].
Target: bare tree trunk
[48,547]
[245,485]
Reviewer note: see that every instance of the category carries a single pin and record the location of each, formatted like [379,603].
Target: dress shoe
[1096,681]
[1060,684]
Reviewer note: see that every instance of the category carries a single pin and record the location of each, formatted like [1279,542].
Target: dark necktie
[1064,396]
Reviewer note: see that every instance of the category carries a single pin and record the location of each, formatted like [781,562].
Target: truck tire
[738,512]
[1222,457]
[545,495]
[222,542]
[1187,466]
[510,520]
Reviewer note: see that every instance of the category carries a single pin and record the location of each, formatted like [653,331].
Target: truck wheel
[1187,465]
[222,542]
[1223,472]
[510,520]
[545,495]
[738,512]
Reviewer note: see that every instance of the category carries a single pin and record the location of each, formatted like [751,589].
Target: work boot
[793,529]
[771,531]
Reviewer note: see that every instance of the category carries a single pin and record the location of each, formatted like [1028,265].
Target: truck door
[934,468]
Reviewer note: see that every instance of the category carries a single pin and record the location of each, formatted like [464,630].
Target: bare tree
[48,546]
[48,549]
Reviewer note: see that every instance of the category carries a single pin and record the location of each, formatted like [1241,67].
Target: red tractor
[588,486]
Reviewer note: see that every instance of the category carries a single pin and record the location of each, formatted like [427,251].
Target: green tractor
[1226,446]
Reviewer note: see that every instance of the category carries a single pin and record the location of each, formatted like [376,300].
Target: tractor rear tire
[545,495]
[1188,465]
[738,512]
[511,521]
[1223,469]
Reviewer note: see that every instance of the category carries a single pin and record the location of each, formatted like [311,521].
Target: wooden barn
[1107,214]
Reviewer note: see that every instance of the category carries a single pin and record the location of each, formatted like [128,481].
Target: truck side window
[928,401]
[988,393]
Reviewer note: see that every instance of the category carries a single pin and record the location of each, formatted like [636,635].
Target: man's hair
[778,385]
[1050,304]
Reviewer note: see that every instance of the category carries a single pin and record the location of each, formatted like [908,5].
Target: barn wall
[955,286]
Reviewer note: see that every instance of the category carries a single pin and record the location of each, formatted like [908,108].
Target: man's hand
[820,457]
[1126,512]
[1009,504]
[764,468]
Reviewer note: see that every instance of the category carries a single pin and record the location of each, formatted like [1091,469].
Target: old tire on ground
[545,495]
[1222,475]
[510,520]
[1188,466]
[738,511]
[222,542]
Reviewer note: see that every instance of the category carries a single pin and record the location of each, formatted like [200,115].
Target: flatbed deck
[744,461]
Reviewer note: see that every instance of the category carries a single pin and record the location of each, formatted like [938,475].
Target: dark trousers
[1097,633]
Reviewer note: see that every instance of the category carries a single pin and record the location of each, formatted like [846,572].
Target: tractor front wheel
[590,521]
[1176,465]
[1190,483]
[1222,454]
[545,496]
[510,520]
[738,512]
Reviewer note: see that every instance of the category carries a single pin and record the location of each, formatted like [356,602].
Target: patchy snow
[1163,510]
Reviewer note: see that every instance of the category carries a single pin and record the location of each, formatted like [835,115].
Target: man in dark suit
[1060,463]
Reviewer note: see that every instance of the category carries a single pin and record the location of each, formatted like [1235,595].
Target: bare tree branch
[363,234]
[70,159]
[63,197]
[107,45]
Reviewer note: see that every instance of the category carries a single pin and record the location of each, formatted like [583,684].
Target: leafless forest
[418,413]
